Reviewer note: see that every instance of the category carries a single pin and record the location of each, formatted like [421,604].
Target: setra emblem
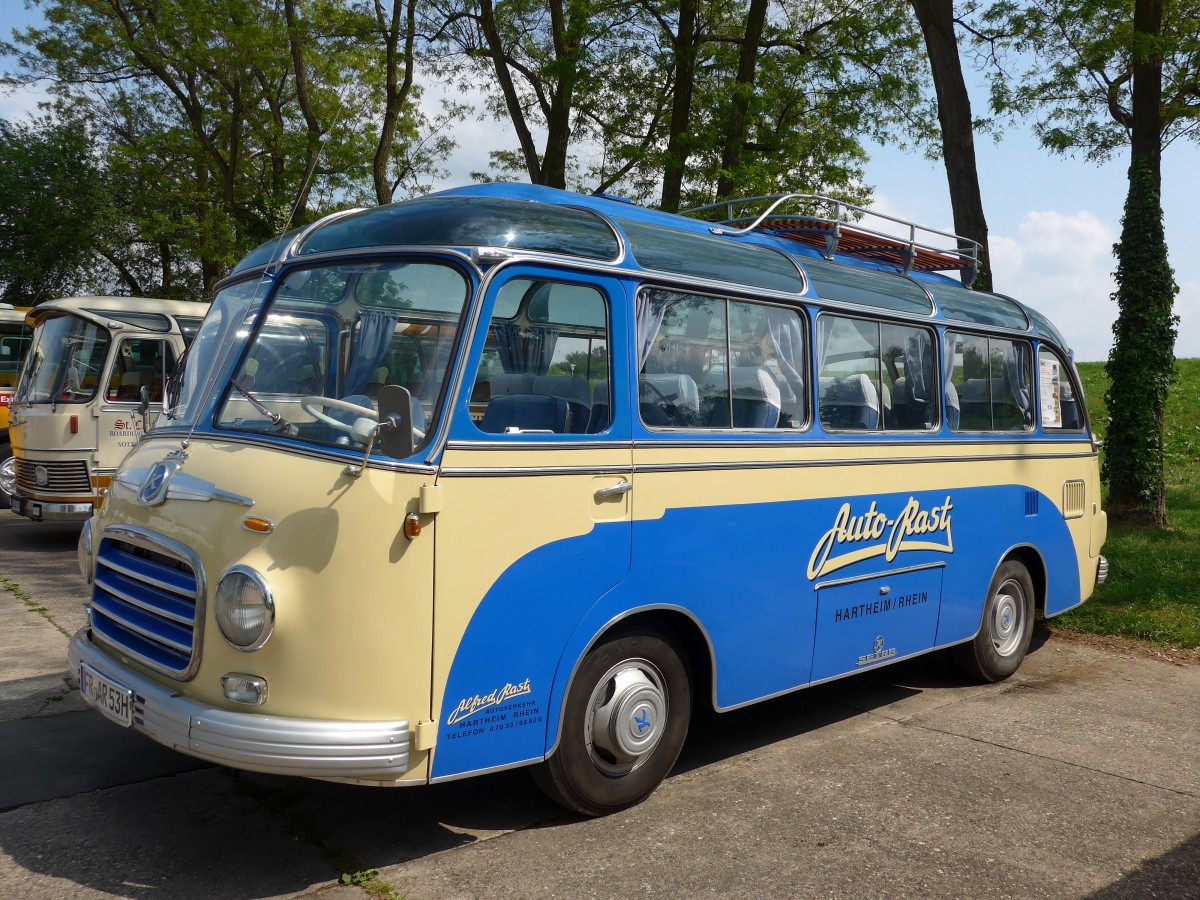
[153,490]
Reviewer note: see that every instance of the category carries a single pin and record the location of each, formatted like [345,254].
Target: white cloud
[1061,265]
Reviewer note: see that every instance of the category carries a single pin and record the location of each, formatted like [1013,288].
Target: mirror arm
[382,426]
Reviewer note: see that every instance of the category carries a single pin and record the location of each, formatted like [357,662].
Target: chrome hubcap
[1008,618]
[626,716]
[8,475]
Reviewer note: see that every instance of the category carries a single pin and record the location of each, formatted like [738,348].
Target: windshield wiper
[277,420]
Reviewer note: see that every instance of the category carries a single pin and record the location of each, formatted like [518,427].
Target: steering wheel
[311,403]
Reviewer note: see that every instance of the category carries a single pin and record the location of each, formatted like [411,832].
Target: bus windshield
[66,361]
[333,336]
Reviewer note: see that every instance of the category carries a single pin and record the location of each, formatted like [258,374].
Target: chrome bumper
[1101,571]
[311,748]
[40,511]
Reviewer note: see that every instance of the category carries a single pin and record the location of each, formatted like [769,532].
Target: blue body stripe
[741,573]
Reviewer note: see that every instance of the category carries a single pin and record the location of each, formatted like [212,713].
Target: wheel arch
[675,622]
[1035,564]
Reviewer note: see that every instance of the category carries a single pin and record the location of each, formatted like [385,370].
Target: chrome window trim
[870,576]
[329,454]
[751,465]
[935,348]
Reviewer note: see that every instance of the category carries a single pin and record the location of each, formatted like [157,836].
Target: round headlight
[83,551]
[41,476]
[245,609]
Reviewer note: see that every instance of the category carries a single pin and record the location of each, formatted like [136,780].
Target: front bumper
[311,748]
[41,511]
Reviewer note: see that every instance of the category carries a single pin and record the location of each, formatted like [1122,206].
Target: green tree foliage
[1141,364]
[1070,64]
[679,101]
[781,95]
[1101,74]
[52,201]
[226,121]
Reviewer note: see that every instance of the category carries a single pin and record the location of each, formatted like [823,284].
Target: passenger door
[137,362]
[534,526]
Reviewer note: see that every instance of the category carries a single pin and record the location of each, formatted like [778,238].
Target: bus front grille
[146,602]
[61,477]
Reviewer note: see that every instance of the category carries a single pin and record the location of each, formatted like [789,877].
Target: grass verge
[1152,593]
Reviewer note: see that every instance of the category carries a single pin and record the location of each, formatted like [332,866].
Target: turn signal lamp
[412,526]
[258,526]
[74,424]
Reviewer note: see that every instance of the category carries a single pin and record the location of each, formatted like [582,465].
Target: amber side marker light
[258,526]
[74,424]
[412,526]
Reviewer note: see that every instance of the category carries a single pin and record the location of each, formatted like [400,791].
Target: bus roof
[144,313]
[797,253]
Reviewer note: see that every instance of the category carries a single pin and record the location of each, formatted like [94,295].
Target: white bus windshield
[66,361]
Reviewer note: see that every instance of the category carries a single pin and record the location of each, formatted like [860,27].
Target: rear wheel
[624,723]
[1006,629]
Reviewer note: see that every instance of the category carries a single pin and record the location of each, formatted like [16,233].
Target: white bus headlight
[245,608]
[83,552]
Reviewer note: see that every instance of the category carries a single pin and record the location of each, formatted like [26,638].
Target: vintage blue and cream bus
[508,476]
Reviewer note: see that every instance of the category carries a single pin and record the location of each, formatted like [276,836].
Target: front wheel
[8,475]
[1006,628]
[624,723]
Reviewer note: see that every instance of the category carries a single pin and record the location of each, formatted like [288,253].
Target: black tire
[6,456]
[624,723]
[1005,630]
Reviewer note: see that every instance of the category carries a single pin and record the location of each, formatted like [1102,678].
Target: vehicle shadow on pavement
[178,836]
[1174,874]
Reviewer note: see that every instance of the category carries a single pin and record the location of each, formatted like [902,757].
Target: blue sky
[1052,220]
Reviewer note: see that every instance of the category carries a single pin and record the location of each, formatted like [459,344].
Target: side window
[545,366]
[990,384]
[909,385]
[710,363]
[875,376]
[141,362]
[1061,407]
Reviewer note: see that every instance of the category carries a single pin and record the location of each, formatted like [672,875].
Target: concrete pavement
[1077,778]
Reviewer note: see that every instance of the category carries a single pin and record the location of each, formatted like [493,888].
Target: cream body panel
[353,596]
[489,521]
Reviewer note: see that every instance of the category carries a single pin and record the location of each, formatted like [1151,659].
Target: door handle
[624,487]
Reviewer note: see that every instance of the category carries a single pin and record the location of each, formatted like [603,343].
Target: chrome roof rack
[834,226]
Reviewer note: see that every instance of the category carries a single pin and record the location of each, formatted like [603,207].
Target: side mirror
[395,421]
[143,407]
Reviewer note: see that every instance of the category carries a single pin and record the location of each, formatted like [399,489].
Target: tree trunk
[739,118]
[487,21]
[1141,365]
[681,108]
[958,136]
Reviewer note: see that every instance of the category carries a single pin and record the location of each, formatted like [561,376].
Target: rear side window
[989,383]
[1059,403]
[875,376]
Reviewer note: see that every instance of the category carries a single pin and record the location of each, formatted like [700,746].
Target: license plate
[113,700]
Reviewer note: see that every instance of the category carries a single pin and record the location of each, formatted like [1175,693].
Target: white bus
[75,412]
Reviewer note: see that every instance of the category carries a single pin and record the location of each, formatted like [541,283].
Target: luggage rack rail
[840,229]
